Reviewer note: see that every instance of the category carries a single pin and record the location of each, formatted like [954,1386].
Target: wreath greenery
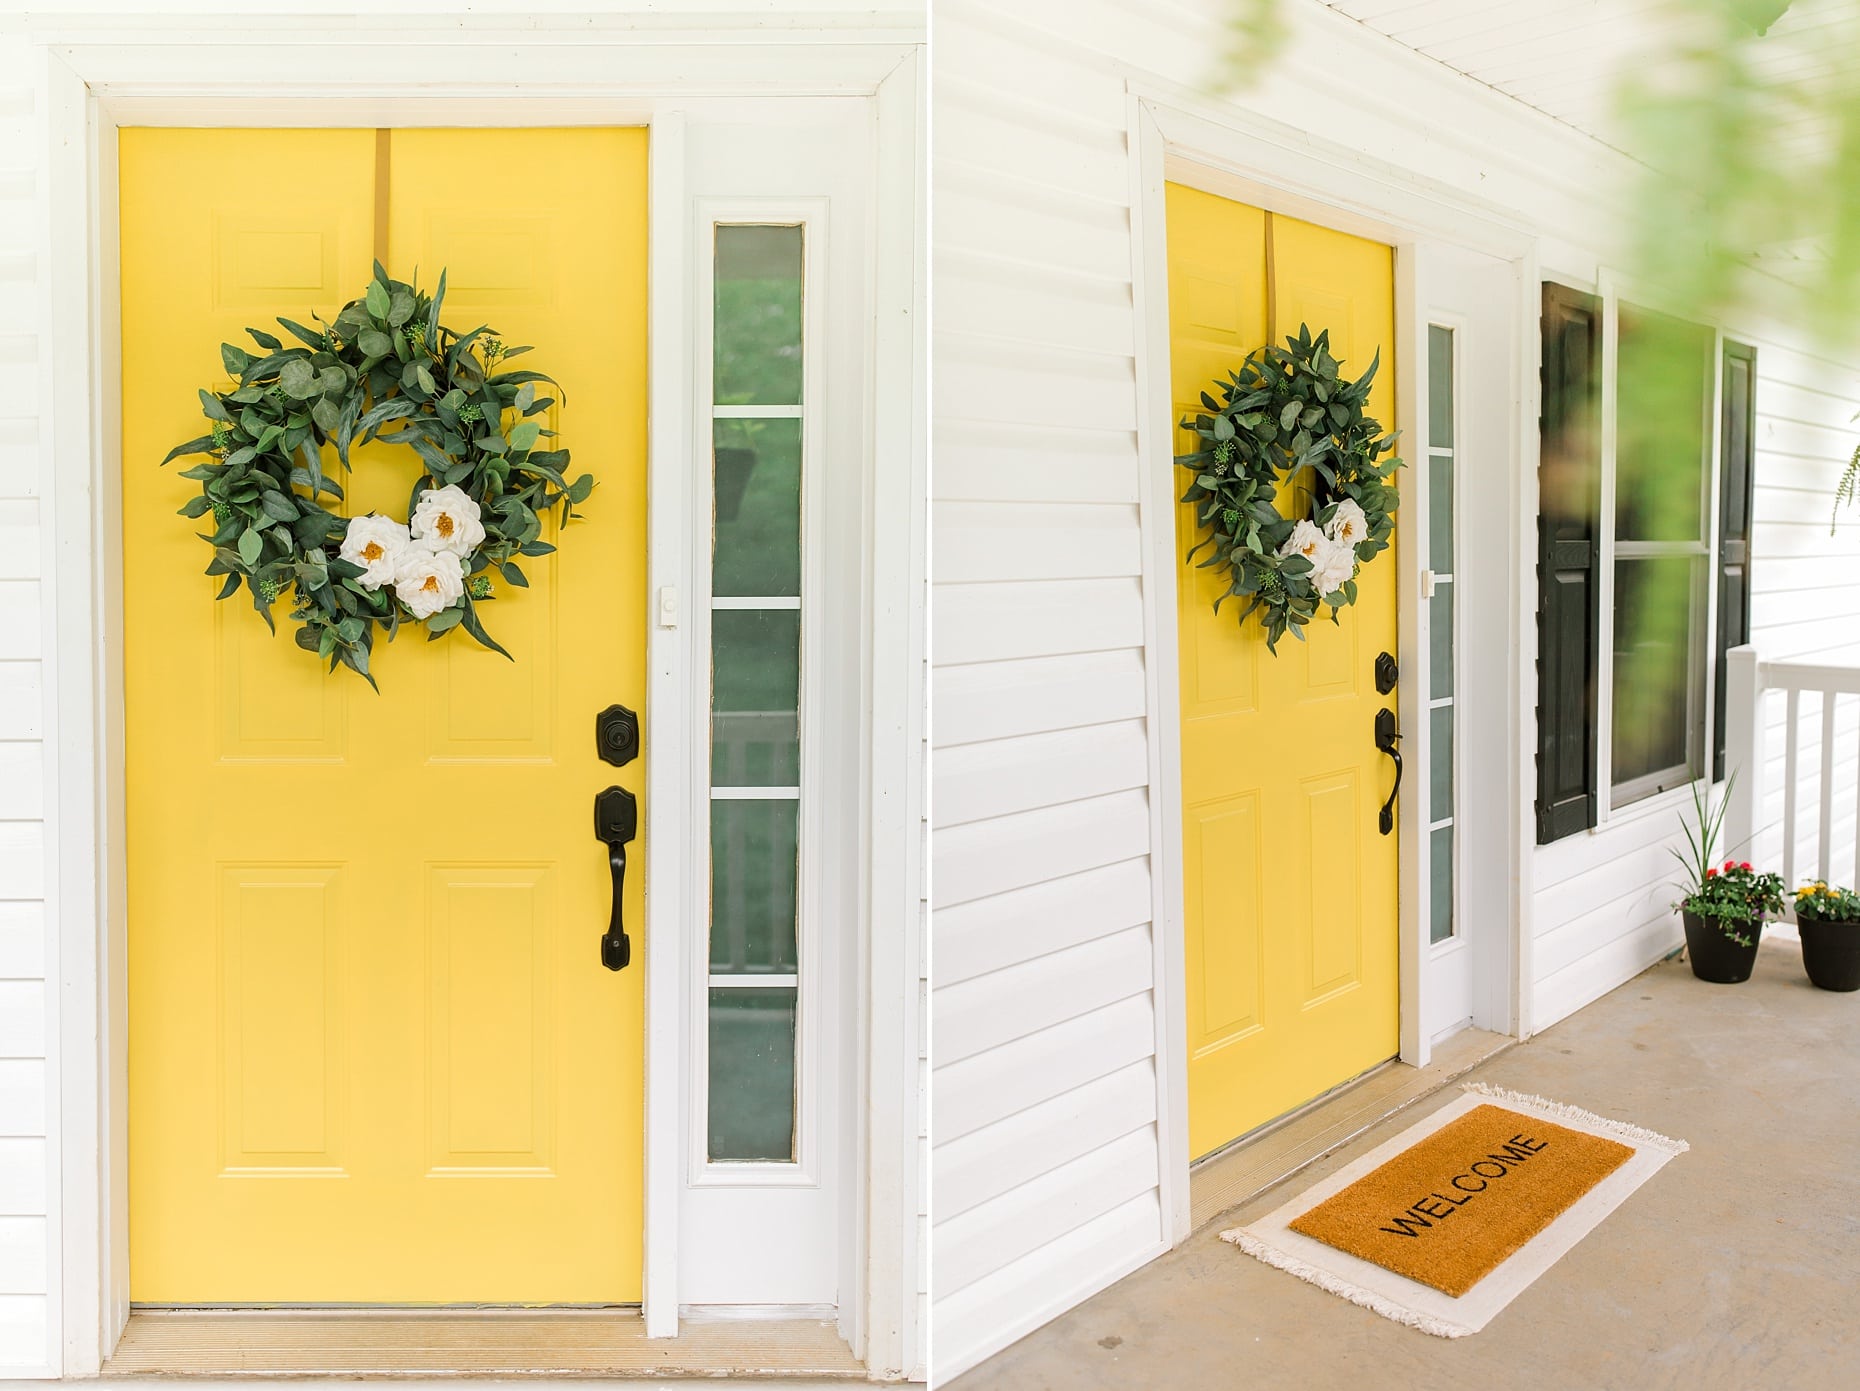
[385,361]
[1287,410]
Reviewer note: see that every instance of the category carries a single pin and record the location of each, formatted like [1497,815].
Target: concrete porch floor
[1735,1267]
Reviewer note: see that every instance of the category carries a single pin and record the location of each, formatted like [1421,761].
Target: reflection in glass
[757,359]
[1653,670]
[754,865]
[1439,387]
[1440,764]
[755,685]
[752,1034]
[1440,884]
[758,508]
[1661,426]
[1440,642]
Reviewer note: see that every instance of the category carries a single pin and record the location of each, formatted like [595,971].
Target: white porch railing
[1820,757]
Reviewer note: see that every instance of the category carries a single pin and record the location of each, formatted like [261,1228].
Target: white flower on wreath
[445,519]
[1332,562]
[429,581]
[378,544]
[1347,523]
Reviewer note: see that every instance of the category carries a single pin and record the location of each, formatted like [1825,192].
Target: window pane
[757,357]
[1655,704]
[752,1075]
[1439,387]
[1440,514]
[755,684]
[1661,427]
[758,508]
[1440,642]
[1440,763]
[1440,884]
[753,871]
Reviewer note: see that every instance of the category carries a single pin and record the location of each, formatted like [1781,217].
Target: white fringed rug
[1272,1240]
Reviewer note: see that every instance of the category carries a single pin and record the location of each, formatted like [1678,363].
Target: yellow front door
[1290,911]
[373,1053]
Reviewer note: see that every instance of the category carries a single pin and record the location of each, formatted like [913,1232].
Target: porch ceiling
[1566,57]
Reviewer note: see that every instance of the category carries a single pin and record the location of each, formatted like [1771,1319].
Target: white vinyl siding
[1048,1159]
[25,1154]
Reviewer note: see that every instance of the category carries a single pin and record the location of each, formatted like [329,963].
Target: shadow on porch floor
[1734,1268]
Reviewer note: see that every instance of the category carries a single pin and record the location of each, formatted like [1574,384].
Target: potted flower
[1829,920]
[1724,904]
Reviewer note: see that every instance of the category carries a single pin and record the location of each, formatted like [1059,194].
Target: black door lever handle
[616,822]
[1386,739]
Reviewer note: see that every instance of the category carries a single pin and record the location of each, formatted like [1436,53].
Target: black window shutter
[1737,442]
[1568,569]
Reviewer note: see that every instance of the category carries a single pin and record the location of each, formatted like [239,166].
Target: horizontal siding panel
[1018,297]
[997,131]
[22,1096]
[22,1255]
[1587,980]
[988,1237]
[1564,946]
[19,619]
[997,622]
[1017,381]
[988,1011]
[977,782]
[22,1019]
[19,458]
[19,539]
[22,940]
[978,542]
[23,1332]
[1020,1297]
[1010,852]
[999,700]
[981,1167]
[990,934]
[22,781]
[1024,463]
[22,714]
[1029,219]
[22,859]
[22,1177]
[992,1086]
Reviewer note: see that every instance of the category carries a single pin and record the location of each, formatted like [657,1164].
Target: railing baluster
[1825,837]
[1790,741]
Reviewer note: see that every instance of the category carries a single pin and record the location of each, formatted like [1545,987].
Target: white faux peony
[1348,524]
[1308,540]
[429,581]
[378,544]
[445,519]
[1335,568]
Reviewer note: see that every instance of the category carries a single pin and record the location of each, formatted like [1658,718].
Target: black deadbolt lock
[1387,673]
[616,735]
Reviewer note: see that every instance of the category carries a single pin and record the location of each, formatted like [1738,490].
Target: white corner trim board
[1271,1239]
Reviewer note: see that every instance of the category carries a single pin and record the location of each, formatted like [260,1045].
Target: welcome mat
[1445,1224]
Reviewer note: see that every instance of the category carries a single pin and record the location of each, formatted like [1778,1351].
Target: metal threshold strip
[452,1343]
[1279,1149]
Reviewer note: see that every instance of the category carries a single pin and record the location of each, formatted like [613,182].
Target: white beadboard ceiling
[1566,57]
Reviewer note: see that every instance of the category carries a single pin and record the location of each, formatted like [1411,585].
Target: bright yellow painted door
[374,1056]
[1290,910]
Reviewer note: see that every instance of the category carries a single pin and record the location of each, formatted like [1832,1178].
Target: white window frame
[1664,790]
[100,73]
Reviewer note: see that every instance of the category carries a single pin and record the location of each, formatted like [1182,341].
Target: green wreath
[385,361]
[1286,410]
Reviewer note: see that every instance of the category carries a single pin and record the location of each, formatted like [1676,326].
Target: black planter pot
[1831,954]
[1714,956]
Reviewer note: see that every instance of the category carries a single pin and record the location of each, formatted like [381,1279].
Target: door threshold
[454,1343]
[1281,1148]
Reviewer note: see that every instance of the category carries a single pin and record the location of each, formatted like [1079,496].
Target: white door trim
[511,72]
[1242,155]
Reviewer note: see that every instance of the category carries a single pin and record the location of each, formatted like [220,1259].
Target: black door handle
[616,822]
[1386,738]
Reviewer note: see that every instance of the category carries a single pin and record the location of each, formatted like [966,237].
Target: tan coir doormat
[1443,1225]
[1450,1207]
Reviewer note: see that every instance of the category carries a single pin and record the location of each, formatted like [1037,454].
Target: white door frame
[518,71]
[1180,136]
